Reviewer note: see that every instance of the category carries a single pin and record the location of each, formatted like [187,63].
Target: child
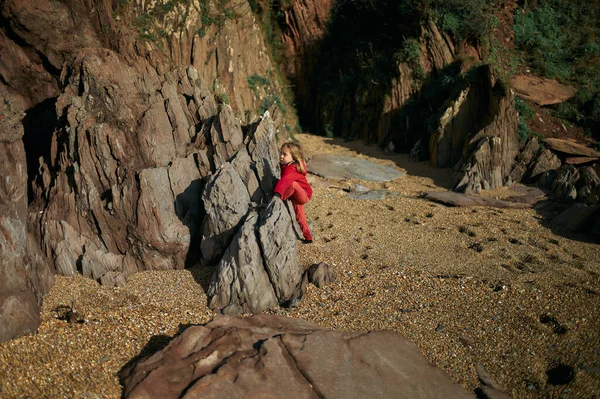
[293,184]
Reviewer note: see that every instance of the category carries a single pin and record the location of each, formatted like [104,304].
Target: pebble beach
[499,289]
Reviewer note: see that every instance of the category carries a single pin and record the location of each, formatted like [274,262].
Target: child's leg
[296,194]
[301,218]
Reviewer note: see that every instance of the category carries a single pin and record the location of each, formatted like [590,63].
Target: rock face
[272,356]
[24,274]
[259,270]
[478,135]
[116,126]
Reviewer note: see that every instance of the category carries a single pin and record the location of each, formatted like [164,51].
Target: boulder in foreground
[267,356]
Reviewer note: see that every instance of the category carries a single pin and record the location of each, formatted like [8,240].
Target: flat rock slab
[450,198]
[343,167]
[541,91]
[571,148]
[372,194]
[269,356]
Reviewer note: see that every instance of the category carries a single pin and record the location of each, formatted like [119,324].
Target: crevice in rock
[304,375]
[38,126]
[262,251]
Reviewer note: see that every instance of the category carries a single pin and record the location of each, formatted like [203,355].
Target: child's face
[285,157]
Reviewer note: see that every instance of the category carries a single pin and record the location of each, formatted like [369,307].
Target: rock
[343,167]
[373,194]
[563,185]
[541,91]
[490,388]
[485,134]
[226,202]
[259,270]
[593,198]
[278,243]
[580,160]
[571,148]
[524,158]
[273,356]
[321,274]
[241,283]
[450,198]
[577,217]
[545,162]
[25,274]
[529,195]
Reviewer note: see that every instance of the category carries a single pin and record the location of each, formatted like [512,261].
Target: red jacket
[290,174]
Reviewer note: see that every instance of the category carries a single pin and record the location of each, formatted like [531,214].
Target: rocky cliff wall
[115,112]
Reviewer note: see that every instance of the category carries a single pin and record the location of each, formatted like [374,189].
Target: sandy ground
[469,286]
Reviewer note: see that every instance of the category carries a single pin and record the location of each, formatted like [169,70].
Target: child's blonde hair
[297,155]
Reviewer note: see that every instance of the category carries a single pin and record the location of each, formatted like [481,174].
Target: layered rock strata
[272,356]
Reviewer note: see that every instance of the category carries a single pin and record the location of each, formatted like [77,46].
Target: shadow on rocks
[190,210]
[154,344]
[569,219]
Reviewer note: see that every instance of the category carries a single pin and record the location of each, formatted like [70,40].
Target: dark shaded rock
[272,356]
[25,275]
[490,388]
[321,274]
[577,217]
[563,185]
[545,161]
[341,167]
[524,158]
[477,134]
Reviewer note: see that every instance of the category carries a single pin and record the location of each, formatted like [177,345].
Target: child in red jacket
[293,184]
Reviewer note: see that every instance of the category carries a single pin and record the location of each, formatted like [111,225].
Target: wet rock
[272,356]
[449,198]
[373,194]
[343,167]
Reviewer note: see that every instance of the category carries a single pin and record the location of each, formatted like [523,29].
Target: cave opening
[38,125]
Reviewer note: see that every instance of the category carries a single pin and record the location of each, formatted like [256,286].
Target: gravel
[469,286]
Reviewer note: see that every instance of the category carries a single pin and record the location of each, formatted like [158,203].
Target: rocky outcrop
[259,270]
[304,24]
[541,91]
[273,356]
[25,276]
[477,135]
[143,102]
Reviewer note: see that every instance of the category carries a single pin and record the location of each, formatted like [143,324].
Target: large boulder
[259,270]
[484,130]
[25,274]
[268,356]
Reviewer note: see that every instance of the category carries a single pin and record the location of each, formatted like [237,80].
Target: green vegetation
[562,41]
[525,113]
[158,19]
